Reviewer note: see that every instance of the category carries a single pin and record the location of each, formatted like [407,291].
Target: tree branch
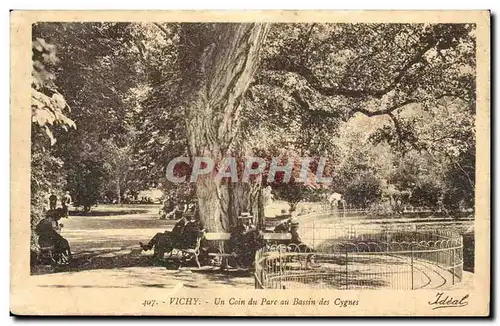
[397,127]
[282,63]
[162,29]
[142,50]
[306,107]
[387,111]
[471,183]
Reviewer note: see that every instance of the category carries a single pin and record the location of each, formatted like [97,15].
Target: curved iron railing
[364,259]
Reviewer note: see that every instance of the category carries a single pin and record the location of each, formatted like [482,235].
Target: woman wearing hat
[48,231]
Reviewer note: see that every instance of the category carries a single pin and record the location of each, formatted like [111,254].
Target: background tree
[377,70]
[99,71]
[363,190]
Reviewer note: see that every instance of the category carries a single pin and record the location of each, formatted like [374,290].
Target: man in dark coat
[52,201]
[296,243]
[245,240]
[183,235]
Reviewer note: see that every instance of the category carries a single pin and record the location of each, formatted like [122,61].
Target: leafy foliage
[85,181]
[48,111]
[363,190]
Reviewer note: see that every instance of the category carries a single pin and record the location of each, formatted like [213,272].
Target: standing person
[65,201]
[52,201]
[294,232]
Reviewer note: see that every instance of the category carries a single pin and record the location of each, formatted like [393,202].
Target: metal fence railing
[349,209]
[348,258]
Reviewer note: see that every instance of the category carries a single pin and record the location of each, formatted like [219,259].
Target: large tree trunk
[247,197]
[217,62]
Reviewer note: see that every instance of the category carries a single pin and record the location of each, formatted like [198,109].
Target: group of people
[184,234]
[65,202]
[172,211]
[49,228]
[245,238]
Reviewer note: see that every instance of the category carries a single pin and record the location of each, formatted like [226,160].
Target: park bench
[225,236]
[193,252]
[277,237]
[48,255]
[219,236]
[189,252]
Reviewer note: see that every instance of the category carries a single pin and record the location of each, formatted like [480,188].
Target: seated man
[180,237]
[48,234]
[245,240]
[296,240]
[297,244]
[283,227]
[168,209]
[192,227]
[238,232]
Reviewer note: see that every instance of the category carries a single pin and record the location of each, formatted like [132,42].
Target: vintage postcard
[251,163]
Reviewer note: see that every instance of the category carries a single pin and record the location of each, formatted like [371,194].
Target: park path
[106,251]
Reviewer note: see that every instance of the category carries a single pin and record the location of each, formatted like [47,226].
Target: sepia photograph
[331,157]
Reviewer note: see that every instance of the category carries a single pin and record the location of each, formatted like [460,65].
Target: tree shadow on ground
[100,259]
[118,222]
[116,265]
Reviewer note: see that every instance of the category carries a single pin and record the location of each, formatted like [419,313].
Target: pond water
[314,228]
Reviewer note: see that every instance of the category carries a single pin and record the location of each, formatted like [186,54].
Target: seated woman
[48,231]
